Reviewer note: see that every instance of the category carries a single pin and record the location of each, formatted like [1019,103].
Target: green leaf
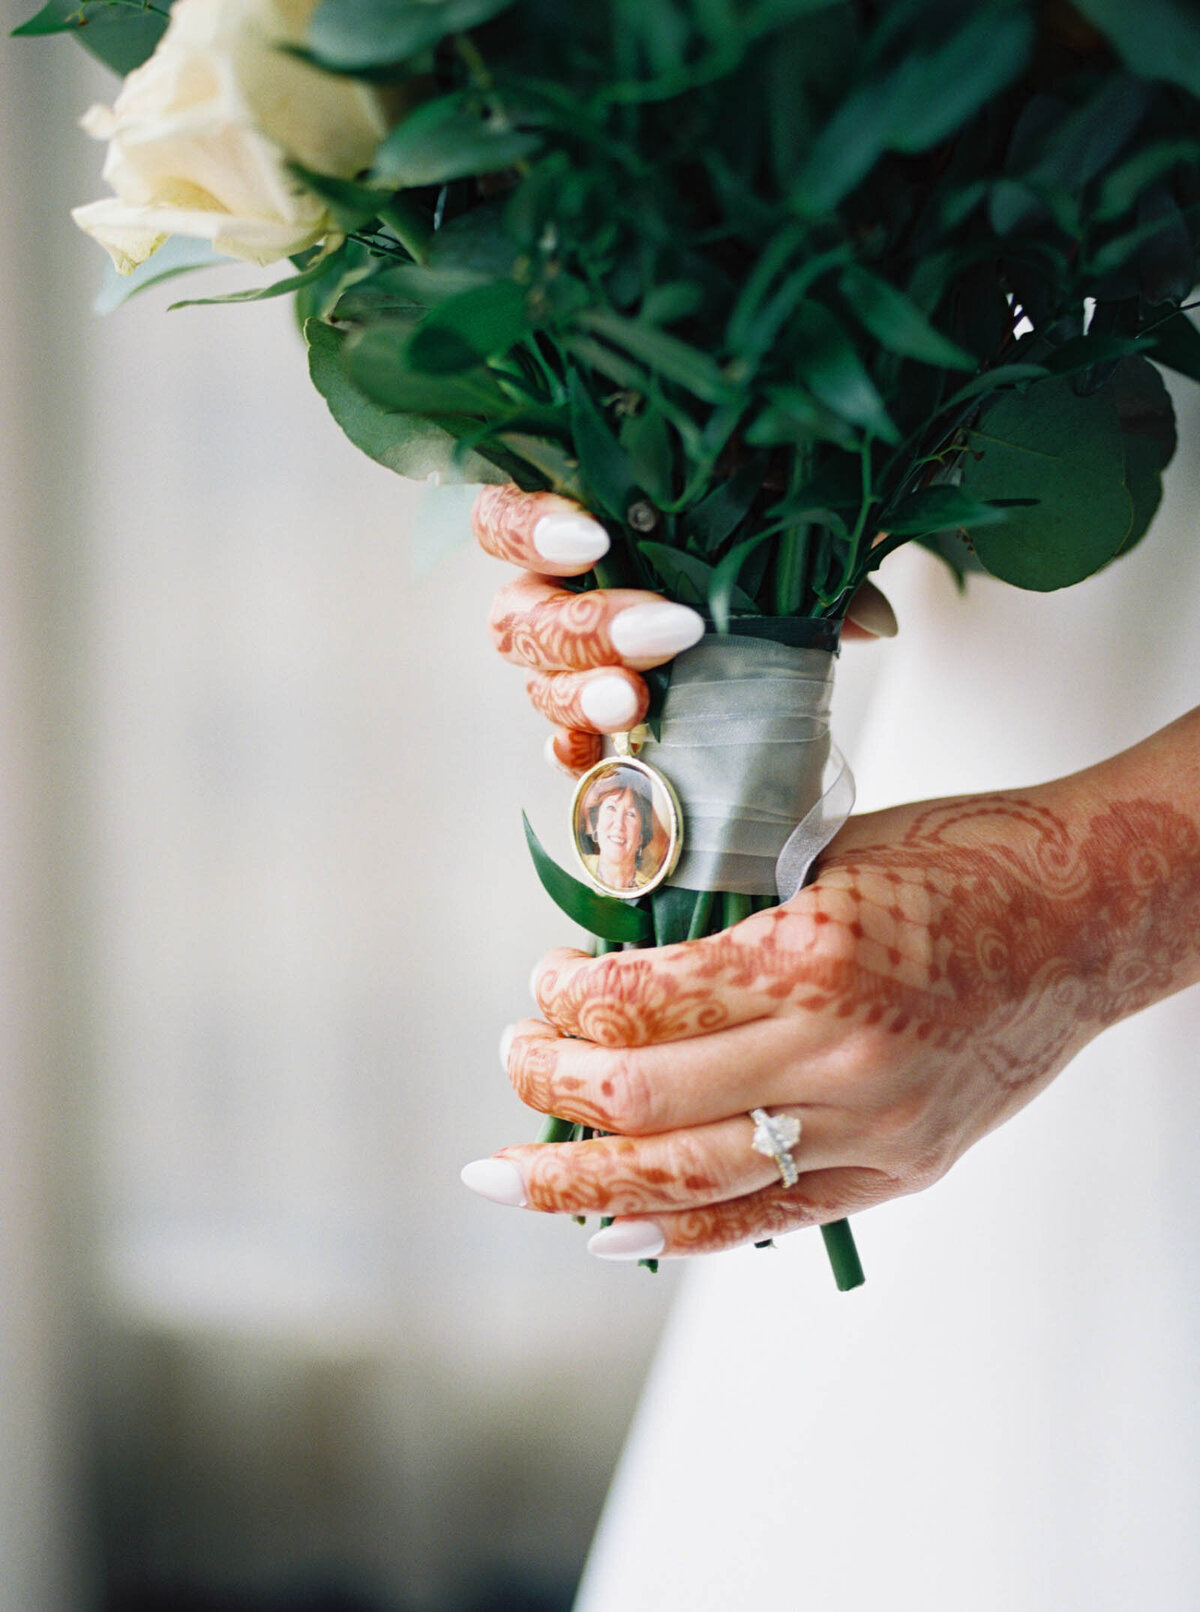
[122,35]
[1066,452]
[603,915]
[674,910]
[920,102]
[178,255]
[377,361]
[895,320]
[1155,38]
[671,358]
[1083,352]
[350,34]
[1147,421]
[793,416]
[408,444]
[945,87]
[827,362]
[687,579]
[461,332]
[646,438]
[278,288]
[992,380]
[939,509]
[722,587]
[603,463]
[443,140]
[1177,345]
[350,205]
[1122,187]
[711,521]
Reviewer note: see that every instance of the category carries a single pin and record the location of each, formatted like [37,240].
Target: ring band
[775,1135]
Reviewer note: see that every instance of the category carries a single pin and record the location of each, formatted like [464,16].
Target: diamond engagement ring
[775,1135]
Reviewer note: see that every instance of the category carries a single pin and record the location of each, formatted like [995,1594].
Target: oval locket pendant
[626,824]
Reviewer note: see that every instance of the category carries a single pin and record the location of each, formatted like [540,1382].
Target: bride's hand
[950,958]
[583,651]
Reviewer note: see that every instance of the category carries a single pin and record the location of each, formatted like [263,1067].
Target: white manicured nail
[496,1179]
[655,631]
[609,703]
[506,1041]
[628,1239]
[570,539]
[870,610]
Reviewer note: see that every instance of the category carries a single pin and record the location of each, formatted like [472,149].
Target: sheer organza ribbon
[745,742]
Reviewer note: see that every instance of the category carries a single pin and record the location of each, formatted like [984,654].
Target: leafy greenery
[761,279]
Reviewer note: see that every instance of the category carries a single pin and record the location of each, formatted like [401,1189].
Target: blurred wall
[266,908]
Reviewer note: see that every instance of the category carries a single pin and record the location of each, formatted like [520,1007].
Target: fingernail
[609,703]
[496,1179]
[568,539]
[506,1041]
[870,610]
[628,1239]
[656,630]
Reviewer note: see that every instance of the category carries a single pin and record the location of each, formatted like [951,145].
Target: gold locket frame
[665,812]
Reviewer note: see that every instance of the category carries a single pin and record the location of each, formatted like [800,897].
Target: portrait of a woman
[616,830]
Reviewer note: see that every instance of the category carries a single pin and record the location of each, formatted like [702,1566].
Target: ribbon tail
[816,828]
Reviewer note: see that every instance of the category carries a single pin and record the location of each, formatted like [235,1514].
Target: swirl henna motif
[550,629]
[502,520]
[955,969]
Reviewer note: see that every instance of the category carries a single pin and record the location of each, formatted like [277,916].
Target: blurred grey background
[265,908]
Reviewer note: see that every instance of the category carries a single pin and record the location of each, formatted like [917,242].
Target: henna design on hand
[576,750]
[1016,944]
[956,969]
[550,629]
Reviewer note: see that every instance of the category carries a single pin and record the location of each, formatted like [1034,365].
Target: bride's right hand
[582,652]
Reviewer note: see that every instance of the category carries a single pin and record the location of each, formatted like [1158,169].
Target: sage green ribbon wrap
[745,742]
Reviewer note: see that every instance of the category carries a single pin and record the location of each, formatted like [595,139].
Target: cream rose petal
[200,136]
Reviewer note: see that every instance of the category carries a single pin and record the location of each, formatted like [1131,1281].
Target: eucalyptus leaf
[939,509]
[1176,343]
[605,916]
[1066,452]
[1148,439]
[120,33]
[409,444]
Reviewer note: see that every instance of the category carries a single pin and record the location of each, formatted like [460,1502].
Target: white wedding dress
[1006,1418]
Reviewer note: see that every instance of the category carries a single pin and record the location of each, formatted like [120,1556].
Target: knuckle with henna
[626,1096]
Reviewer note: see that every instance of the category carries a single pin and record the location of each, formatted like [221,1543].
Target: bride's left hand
[920,991]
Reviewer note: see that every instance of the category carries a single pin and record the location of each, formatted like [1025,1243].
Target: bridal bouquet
[770,286]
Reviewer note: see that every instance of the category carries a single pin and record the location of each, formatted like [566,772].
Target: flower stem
[843,1255]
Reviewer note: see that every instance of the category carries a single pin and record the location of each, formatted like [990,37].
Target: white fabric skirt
[1006,1418]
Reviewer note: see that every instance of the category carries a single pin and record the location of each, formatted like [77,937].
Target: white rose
[200,136]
